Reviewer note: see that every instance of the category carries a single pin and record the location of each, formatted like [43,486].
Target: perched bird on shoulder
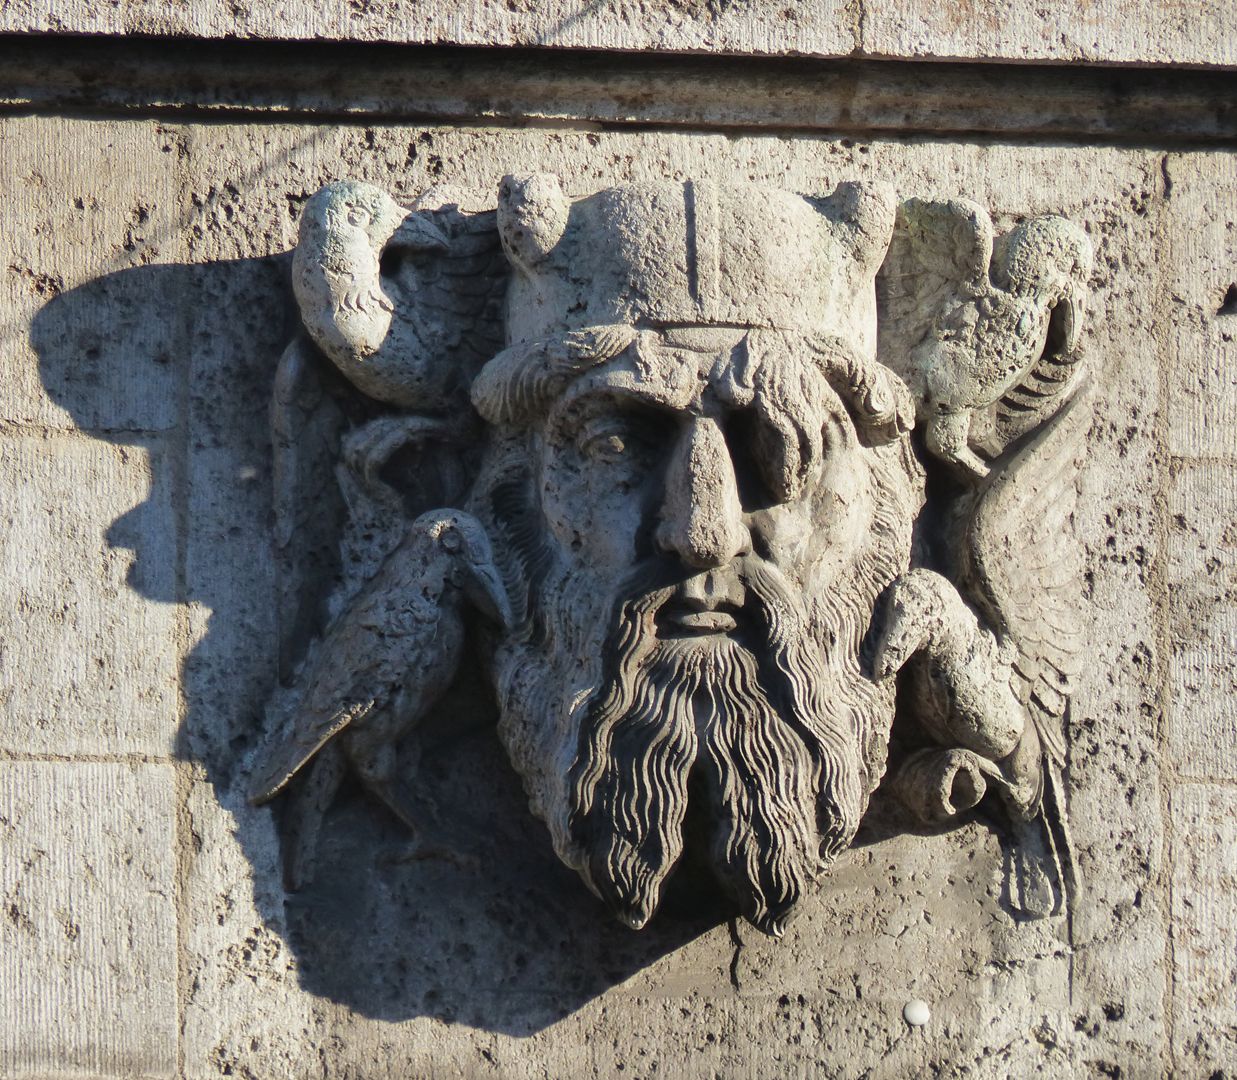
[968,319]
[380,668]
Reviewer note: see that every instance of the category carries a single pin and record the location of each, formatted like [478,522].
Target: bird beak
[418,233]
[1071,310]
[483,587]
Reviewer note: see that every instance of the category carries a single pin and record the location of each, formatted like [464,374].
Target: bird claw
[421,851]
[368,448]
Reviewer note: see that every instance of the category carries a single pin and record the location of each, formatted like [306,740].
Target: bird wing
[296,744]
[1041,388]
[309,510]
[386,637]
[939,257]
[461,290]
[1026,566]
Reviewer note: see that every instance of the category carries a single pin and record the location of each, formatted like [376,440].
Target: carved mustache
[754,590]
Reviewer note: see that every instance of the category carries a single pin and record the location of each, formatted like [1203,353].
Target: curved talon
[368,448]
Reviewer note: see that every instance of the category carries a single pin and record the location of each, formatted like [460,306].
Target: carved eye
[450,540]
[605,448]
[608,439]
[358,216]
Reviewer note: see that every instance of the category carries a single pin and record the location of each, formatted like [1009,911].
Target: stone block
[1111,31]
[822,27]
[1202,578]
[88,943]
[93,334]
[244,1011]
[1114,31]
[1205,929]
[1200,288]
[231,665]
[391,968]
[88,567]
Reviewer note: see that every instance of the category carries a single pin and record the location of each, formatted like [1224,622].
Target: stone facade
[145,927]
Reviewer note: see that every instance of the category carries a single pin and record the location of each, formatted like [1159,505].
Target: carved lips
[709,603]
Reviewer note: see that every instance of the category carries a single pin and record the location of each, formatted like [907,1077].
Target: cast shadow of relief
[494,931]
[507,939]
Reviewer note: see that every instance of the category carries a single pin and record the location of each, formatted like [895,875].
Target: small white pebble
[916,1013]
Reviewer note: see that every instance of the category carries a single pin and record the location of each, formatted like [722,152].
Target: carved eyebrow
[609,384]
[523,380]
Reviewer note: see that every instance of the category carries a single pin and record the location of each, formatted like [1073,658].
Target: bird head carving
[347,206]
[1048,260]
[461,538]
[532,216]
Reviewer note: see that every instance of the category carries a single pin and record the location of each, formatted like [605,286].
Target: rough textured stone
[1077,32]
[1205,928]
[1203,581]
[242,1011]
[88,940]
[80,209]
[88,557]
[417,966]
[1116,1018]
[1200,234]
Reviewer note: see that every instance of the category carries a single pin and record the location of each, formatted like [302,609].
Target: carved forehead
[709,369]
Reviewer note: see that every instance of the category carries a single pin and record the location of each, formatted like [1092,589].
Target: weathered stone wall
[143,929]
[1106,31]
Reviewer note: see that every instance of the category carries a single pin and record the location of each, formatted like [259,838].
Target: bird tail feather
[312,796]
[1043,878]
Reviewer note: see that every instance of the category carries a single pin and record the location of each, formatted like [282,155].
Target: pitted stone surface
[88,939]
[80,208]
[1205,927]
[258,997]
[1114,31]
[88,577]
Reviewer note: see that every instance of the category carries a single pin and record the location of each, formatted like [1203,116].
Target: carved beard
[786,733]
[777,762]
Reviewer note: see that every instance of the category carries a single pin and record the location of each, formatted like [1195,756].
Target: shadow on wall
[510,940]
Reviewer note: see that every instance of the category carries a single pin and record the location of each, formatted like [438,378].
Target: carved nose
[701,516]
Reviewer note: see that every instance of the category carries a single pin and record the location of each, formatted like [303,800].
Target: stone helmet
[696,253]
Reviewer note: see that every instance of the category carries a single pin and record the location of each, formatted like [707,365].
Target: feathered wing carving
[1025,575]
[983,332]
[372,426]
[974,327]
[989,655]
[1026,565]
[370,414]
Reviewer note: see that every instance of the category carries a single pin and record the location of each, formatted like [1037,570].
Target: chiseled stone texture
[79,206]
[88,950]
[396,968]
[1205,928]
[1142,31]
[87,592]
[1202,503]
[1077,31]
[1200,235]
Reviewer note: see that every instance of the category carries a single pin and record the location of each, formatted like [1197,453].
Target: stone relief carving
[730,486]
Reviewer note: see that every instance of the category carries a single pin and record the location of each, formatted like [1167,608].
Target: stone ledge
[353,83]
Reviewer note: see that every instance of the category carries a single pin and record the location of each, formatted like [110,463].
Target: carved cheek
[591,510]
[841,513]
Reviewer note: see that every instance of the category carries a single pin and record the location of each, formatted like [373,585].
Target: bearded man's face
[701,536]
